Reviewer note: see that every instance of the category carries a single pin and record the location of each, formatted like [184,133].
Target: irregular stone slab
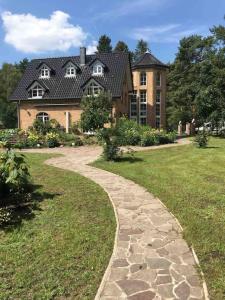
[132,286]
[163,279]
[158,263]
[137,267]
[166,290]
[182,291]
[119,263]
[149,295]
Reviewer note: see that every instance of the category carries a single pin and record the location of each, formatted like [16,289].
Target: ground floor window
[42,116]
[143,107]
[157,122]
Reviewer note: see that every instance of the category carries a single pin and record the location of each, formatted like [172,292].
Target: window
[158,96]
[70,70]
[157,109]
[98,69]
[93,89]
[36,92]
[143,108]
[158,79]
[44,117]
[157,122]
[143,78]
[133,106]
[45,72]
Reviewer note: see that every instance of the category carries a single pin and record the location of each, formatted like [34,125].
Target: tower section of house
[148,103]
[52,88]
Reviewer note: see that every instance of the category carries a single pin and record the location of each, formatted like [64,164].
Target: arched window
[143,78]
[93,89]
[42,116]
[45,72]
[70,70]
[36,92]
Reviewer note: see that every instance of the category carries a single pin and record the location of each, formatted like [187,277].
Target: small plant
[33,139]
[201,139]
[14,174]
[111,149]
[52,139]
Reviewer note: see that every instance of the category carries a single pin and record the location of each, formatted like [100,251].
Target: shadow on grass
[23,208]
[130,159]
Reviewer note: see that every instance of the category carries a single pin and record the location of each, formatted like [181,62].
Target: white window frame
[37,91]
[98,69]
[70,70]
[143,78]
[45,72]
[43,116]
[134,102]
[93,89]
[143,112]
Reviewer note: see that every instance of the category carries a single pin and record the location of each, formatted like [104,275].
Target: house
[52,88]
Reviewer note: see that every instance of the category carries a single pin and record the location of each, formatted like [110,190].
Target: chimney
[82,56]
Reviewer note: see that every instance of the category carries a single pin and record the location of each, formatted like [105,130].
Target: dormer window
[70,70]
[45,72]
[93,89]
[36,92]
[98,69]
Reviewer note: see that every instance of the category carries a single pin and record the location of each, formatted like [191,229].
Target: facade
[52,88]
[148,104]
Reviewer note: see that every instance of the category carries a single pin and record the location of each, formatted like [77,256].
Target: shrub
[201,139]
[40,127]
[33,138]
[76,141]
[148,138]
[52,139]
[111,149]
[128,132]
[14,174]
[90,140]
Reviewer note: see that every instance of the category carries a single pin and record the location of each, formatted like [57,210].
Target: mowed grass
[191,183]
[62,251]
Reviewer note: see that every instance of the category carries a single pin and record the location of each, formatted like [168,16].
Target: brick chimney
[82,56]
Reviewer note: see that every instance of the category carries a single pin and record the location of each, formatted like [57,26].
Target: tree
[141,48]
[121,47]
[9,78]
[104,44]
[96,111]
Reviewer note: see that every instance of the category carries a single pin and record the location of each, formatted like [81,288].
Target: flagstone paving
[151,260]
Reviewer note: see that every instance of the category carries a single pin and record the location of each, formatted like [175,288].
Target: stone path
[150,259]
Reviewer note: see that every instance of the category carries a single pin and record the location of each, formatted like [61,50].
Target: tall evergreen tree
[141,48]
[121,47]
[104,44]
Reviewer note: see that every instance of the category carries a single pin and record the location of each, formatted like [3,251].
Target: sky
[51,28]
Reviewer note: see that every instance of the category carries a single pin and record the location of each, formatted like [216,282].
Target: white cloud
[129,7]
[30,34]
[170,33]
[92,48]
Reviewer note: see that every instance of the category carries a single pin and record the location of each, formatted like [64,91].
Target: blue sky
[59,27]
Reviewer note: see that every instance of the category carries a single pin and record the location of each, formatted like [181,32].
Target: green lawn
[191,182]
[61,248]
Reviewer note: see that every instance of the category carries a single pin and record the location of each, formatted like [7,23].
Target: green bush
[201,139]
[40,127]
[111,151]
[52,139]
[148,138]
[14,174]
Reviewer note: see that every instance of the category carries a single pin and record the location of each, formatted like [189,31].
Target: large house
[52,88]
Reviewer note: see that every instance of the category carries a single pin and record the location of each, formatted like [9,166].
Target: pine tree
[121,47]
[141,48]
[104,44]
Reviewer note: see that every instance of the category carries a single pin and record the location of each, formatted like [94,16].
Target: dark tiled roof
[61,87]
[148,60]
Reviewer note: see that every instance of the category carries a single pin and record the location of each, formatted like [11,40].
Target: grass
[61,249]
[191,183]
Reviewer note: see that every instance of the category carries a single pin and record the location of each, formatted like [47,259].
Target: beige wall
[151,93]
[28,111]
